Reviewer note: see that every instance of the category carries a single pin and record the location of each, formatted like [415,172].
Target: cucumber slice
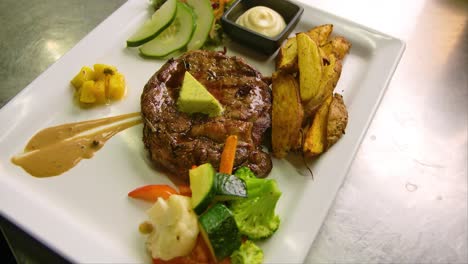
[229,187]
[202,183]
[159,21]
[219,230]
[173,38]
[204,20]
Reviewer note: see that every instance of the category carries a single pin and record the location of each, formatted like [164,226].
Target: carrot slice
[152,192]
[229,153]
[220,10]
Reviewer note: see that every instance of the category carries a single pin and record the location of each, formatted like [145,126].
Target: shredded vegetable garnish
[216,33]
[218,7]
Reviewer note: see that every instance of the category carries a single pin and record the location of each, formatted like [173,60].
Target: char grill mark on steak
[176,140]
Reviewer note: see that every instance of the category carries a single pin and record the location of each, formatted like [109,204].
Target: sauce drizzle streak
[55,150]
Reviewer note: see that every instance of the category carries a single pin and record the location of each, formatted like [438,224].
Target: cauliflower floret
[175,228]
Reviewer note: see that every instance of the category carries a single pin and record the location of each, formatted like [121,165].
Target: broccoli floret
[248,253]
[244,173]
[255,215]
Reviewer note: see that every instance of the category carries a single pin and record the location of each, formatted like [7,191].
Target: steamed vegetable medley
[178,25]
[216,220]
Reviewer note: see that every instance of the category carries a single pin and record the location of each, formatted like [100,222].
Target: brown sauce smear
[55,150]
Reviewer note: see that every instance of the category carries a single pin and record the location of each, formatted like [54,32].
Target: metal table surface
[405,197]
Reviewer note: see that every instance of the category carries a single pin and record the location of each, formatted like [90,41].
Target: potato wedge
[287,114]
[312,63]
[330,76]
[338,46]
[320,33]
[315,139]
[310,67]
[337,120]
[287,56]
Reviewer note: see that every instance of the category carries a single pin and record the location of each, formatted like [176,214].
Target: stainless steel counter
[405,197]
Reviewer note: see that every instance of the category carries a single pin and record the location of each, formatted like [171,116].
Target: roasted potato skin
[315,140]
[287,56]
[337,120]
[338,46]
[287,114]
[320,33]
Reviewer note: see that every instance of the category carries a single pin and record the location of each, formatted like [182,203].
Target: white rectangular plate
[85,214]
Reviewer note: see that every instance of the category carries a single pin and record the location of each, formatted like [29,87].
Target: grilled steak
[177,140]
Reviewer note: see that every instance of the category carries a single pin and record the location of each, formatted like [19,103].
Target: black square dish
[290,12]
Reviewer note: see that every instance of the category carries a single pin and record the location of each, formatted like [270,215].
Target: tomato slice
[152,192]
[185,190]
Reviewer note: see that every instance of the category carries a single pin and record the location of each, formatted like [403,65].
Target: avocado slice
[195,98]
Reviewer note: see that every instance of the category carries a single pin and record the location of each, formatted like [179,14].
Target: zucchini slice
[229,187]
[174,37]
[204,20]
[159,21]
[202,183]
[220,232]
